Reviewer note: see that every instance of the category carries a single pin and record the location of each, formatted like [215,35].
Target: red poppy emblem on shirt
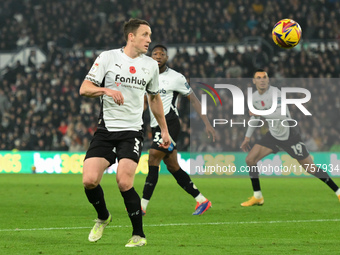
[262,103]
[132,69]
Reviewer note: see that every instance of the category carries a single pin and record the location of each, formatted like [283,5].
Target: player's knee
[90,183]
[173,169]
[124,185]
[154,161]
[155,157]
[171,164]
[250,161]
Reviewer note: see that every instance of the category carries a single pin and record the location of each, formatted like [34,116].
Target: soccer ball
[286,33]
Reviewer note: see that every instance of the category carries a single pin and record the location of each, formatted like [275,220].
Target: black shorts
[293,145]
[112,145]
[174,128]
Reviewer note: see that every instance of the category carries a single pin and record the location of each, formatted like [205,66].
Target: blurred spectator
[4,103]
[63,127]
[62,23]
[234,71]
[32,60]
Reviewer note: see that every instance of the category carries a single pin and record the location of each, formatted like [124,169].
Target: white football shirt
[171,84]
[264,102]
[113,69]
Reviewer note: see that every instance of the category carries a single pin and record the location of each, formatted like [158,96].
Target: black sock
[254,177]
[183,179]
[150,182]
[96,198]
[133,207]
[323,176]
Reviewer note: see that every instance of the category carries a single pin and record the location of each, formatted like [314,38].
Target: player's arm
[197,106]
[145,102]
[89,89]
[156,106]
[245,144]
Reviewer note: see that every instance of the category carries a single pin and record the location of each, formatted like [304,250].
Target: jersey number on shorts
[136,148]
[158,138]
[297,148]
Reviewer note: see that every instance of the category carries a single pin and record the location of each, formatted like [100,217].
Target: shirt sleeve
[153,86]
[98,70]
[183,86]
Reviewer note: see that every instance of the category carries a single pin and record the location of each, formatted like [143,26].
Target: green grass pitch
[50,214]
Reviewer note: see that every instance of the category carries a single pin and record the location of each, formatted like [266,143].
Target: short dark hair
[159,46]
[259,70]
[132,25]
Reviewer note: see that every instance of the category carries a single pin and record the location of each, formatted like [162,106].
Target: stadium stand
[40,107]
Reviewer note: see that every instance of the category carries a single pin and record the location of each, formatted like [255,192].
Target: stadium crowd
[40,106]
[97,24]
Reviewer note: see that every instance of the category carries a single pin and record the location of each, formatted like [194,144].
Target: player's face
[261,81]
[159,54]
[141,39]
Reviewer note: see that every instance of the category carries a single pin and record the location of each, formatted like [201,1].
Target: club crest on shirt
[146,71]
[165,82]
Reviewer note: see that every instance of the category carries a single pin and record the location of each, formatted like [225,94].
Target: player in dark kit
[171,84]
[120,78]
[287,138]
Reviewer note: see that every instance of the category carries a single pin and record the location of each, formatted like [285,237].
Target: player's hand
[211,132]
[245,144]
[166,141]
[117,96]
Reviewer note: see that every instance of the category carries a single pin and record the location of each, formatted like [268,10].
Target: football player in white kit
[120,78]
[287,138]
[171,84]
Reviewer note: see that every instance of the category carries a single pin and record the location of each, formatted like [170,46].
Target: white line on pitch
[182,224]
